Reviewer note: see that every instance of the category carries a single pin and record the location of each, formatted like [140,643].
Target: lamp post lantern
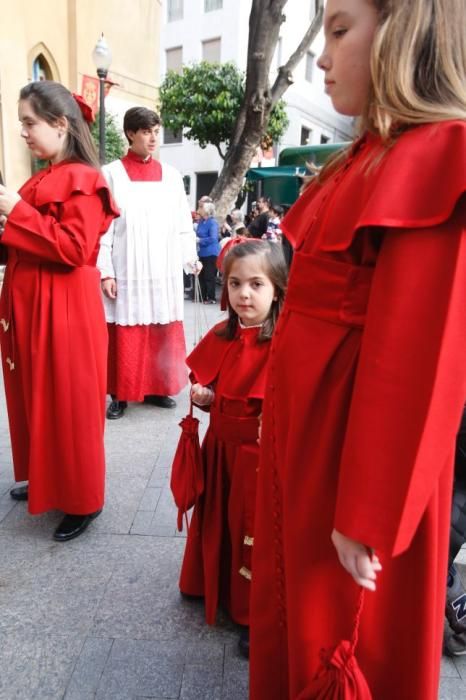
[102,57]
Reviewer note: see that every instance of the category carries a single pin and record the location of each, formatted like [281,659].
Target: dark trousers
[207,277]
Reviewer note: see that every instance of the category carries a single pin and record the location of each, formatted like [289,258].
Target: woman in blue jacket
[209,248]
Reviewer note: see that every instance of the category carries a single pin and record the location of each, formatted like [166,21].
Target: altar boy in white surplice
[141,260]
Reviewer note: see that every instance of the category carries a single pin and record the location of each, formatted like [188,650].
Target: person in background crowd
[235,228]
[141,261]
[367,377]
[258,225]
[208,243]
[228,369]
[238,227]
[53,334]
[273,232]
[455,640]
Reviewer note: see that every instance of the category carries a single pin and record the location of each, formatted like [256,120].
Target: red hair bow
[227,247]
[86,110]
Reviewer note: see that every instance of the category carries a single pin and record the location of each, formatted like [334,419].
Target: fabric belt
[333,291]
[234,429]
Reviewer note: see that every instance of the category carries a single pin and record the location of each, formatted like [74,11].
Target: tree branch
[285,73]
[220,152]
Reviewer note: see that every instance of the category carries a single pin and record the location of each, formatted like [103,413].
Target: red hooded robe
[217,560]
[364,397]
[54,337]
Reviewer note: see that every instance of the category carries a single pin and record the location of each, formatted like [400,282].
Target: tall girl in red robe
[53,333]
[367,376]
[228,368]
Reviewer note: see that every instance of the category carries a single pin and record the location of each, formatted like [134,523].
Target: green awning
[300,155]
[275,172]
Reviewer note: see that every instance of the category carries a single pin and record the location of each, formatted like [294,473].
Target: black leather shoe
[243,642]
[190,597]
[73,525]
[161,401]
[20,493]
[116,409]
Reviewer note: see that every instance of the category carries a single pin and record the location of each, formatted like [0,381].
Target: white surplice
[146,249]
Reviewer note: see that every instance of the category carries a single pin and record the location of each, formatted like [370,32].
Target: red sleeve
[410,385]
[70,239]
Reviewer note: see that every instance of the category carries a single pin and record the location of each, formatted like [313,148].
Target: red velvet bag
[339,676]
[187,474]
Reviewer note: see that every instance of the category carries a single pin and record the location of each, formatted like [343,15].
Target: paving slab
[101,617]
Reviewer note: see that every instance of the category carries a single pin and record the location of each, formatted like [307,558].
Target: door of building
[204,183]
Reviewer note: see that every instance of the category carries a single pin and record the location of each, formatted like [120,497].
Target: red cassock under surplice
[217,560]
[367,380]
[54,337]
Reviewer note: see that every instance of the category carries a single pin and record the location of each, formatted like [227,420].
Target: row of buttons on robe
[5,325]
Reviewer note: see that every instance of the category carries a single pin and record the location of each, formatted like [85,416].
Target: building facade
[217,30]
[54,39]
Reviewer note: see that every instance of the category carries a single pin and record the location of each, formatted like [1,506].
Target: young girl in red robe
[228,369]
[367,377]
[53,333]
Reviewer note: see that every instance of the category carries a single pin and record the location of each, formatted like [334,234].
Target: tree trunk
[264,27]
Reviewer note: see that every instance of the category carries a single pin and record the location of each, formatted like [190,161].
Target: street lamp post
[102,57]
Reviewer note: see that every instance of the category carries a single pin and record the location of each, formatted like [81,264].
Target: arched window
[42,64]
[41,69]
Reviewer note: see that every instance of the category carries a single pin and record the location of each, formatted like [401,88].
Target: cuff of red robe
[17,215]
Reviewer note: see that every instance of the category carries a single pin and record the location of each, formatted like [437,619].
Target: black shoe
[20,493]
[161,401]
[73,525]
[190,597]
[116,409]
[243,642]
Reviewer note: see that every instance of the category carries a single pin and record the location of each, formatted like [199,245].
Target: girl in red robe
[367,377]
[53,333]
[228,371]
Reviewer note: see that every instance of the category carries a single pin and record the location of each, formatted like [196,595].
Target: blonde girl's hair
[418,65]
[418,69]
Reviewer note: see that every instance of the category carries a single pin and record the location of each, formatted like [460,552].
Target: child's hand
[201,395]
[109,288]
[357,560]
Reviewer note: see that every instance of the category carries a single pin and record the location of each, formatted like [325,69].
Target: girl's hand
[195,267]
[109,288]
[357,560]
[201,395]
[8,199]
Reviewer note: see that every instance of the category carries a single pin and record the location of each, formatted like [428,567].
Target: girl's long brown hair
[275,269]
[50,101]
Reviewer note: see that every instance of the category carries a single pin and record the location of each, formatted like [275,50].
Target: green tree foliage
[203,102]
[115,145]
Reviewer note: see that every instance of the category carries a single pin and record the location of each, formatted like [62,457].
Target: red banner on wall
[90,92]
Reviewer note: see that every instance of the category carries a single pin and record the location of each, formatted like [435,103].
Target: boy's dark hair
[277,272]
[278,209]
[139,118]
[266,200]
[51,101]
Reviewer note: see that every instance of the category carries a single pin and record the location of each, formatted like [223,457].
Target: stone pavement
[101,616]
